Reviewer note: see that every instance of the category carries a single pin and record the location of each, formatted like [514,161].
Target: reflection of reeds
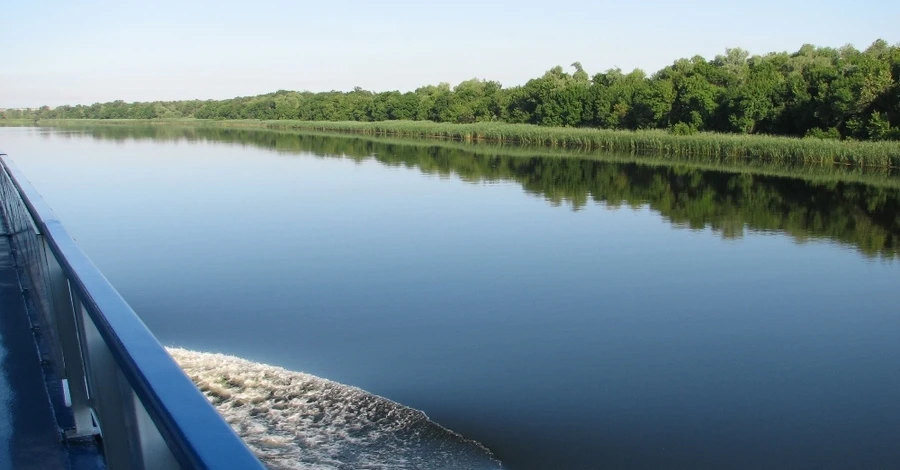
[287,140]
[770,149]
[880,176]
[852,205]
[722,146]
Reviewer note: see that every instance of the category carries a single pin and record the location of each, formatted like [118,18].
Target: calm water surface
[564,312]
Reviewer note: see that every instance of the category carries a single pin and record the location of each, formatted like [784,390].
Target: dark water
[564,312]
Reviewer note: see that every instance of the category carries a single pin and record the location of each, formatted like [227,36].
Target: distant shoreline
[714,146]
[881,176]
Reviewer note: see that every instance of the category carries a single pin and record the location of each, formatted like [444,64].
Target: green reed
[711,146]
[730,146]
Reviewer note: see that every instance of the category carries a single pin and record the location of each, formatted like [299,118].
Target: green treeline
[864,216]
[820,92]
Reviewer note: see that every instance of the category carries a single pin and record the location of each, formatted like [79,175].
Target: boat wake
[293,420]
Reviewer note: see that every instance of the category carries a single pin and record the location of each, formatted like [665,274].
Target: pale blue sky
[55,52]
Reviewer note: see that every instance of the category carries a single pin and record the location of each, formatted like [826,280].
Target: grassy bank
[16,122]
[716,147]
[288,141]
[655,142]
[877,176]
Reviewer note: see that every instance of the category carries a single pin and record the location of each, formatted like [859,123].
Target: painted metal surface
[149,412]
[29,434]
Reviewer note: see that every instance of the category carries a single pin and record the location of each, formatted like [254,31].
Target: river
[572,311]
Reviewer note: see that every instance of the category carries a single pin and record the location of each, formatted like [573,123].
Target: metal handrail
[181,421]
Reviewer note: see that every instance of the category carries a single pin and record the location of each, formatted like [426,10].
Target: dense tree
[820,92]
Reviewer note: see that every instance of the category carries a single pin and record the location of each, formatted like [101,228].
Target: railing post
[72,368]
[114,406]
[154,450]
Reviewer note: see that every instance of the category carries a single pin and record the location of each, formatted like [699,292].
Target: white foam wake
[293,420]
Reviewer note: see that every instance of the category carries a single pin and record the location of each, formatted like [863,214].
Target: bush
[817,133]
[683,128]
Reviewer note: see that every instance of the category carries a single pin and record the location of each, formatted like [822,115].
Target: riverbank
[293,141]
[650,142]
[17,122]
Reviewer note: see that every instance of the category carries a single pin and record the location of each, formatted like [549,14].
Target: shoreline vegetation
[709,146]
[282,140]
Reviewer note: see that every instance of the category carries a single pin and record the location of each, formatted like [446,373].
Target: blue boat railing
[118,379]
